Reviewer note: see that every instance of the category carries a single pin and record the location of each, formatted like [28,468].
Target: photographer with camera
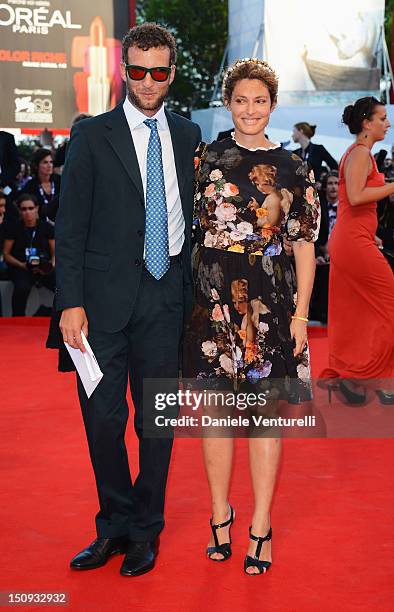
[29,250]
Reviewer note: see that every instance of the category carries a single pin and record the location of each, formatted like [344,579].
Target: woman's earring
[365,135]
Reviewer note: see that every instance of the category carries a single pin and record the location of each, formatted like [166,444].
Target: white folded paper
[86,365]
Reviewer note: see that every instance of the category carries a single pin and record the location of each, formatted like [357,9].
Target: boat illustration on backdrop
[354,58]
[334,77]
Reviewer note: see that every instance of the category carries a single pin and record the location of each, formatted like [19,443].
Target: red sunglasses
[138,73]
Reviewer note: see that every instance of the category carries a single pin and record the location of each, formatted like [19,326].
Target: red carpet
[332,517]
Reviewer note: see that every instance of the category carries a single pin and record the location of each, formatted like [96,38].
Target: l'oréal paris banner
[59,58]
[324,49]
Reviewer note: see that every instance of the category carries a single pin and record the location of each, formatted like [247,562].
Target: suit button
[137,262]
[140,232]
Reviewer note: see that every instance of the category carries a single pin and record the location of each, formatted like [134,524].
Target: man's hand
[72,322]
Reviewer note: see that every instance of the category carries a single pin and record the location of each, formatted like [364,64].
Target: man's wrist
[72,308]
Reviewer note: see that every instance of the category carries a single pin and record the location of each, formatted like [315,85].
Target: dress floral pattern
[245,290]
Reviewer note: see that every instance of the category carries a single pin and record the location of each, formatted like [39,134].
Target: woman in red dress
[361,292]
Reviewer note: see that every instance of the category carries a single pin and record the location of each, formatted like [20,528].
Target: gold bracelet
[300,318]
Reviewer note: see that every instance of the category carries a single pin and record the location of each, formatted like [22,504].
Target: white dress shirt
[140,134]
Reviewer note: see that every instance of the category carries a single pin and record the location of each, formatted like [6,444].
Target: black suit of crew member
[104,286]
[313,154]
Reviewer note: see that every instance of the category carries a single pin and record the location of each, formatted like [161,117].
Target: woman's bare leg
[218,459]
[264,456]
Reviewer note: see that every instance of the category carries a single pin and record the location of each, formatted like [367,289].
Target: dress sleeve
[303,220]
[199,160]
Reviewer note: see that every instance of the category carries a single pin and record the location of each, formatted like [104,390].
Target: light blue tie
[157,257]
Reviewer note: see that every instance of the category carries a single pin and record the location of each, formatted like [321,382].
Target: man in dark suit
[9,160]
[123,243]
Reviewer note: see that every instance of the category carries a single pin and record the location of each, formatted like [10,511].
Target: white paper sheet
[86,365]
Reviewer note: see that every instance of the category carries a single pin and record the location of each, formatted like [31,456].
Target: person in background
[313,154]
[22,177]
[380,158]
[2,235]
[388,168]
[44,185]
[9,160]
[60,153]
[2,215]
[29,251]
[329,203]
[3,265]
[329,207]
[361,289]
[385,232]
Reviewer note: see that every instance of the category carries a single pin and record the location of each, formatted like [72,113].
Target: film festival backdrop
[325,49]
[327,54]
[59,58]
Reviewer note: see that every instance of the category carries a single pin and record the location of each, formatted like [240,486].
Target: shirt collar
[135,118]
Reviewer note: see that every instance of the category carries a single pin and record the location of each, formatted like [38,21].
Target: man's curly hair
[146,36]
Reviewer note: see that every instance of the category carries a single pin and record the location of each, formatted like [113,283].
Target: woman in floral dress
[246,328]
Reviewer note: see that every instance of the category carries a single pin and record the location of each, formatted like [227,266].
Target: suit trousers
[148,347]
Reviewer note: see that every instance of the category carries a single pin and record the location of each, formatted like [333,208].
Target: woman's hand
[298,331]
[379,242]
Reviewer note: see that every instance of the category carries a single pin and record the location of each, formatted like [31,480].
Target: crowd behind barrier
[29,199]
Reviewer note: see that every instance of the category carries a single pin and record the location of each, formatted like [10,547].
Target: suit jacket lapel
[119,137]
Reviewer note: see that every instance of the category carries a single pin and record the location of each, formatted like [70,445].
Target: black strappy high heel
[221,549]
[262,566]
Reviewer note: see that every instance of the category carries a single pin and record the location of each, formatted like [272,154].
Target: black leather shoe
[98,553]
[140,558]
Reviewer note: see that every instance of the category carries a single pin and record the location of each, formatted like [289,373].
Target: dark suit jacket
[9,159]
[316,155]
[100,225]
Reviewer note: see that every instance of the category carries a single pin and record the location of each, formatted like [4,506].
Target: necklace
[44,195]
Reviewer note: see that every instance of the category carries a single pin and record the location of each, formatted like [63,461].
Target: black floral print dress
[245,288]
